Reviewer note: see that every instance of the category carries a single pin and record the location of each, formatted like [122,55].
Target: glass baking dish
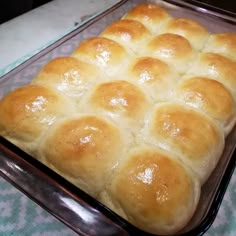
[75,208]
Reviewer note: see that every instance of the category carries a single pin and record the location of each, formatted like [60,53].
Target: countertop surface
[22,37]
[25,35]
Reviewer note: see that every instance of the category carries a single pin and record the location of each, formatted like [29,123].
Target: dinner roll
[156,77]
[106,54]
[68,75]
[218,67]
[171,48]
[130,34]
[28,111]
[222,43]
[154,190]
[190,29]
[211,97]
[84,149]
[120,100]
[189,134]
[150,15]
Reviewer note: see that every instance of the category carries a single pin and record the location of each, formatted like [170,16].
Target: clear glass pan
[80,212]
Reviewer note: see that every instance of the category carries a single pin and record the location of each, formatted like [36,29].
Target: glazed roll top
[173,49]
[222,43]
[68,75]
[85,149]
[136,116]
[158,189]
[150,15]
[211,97]
[193,31]
[129,33]
[27,112]
[106,54]
[217,67]
[120,100]
[156,77]
[182,130]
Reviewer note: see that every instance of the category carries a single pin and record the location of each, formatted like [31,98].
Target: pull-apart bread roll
[106,54]
[182,130]
[153,190]
[216,66]
[193,31]
[211,97]
[28,111]
[85,149]
[129,33]
[120,100]
[224,44]
[173,49]
[150,15]
[68,75]
[136,116]
[156,77]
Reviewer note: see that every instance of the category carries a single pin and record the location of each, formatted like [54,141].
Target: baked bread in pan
[137,117]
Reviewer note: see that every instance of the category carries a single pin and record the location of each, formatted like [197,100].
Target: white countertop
[24,35]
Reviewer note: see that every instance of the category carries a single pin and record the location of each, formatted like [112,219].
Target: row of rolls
[137,117]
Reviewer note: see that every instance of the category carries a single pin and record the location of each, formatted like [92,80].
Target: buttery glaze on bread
[85,149]
[146,178]
[217,67]
[150,15]
[137,117]
[194,32]
[223,44]
[182,130]
[68,75]
[173,49]
[209,96]
[28,111]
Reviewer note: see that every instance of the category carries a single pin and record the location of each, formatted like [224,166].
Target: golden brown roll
[28,111]
[224,43]
[216,67]
[68,75]
[84,149]
[154,191]
[191,135]
[171,48]
[211,97]
[120,100]
[130,34]
[106,54]
[150,15]
[190,29]
[157,78]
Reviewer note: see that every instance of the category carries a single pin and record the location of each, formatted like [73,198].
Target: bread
[146,178]
[223,43]
[68,75]
[173,49]
[156,77]
[150,15]
[129,33]
[193,31]
[28,111]
[106,54]
[137,116]
[182,130]
[215,66]
[78,145]
[209,96]
[121,101]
